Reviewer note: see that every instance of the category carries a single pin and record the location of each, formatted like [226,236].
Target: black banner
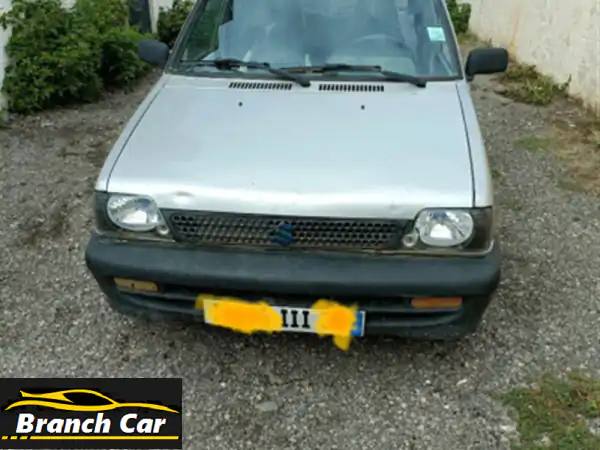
[86,413]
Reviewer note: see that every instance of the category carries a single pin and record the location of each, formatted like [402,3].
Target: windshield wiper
[231,63]
[388,74]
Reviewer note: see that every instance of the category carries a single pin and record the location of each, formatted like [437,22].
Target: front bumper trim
[380,285]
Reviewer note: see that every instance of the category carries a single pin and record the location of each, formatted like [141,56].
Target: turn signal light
[437,303]
[135,285]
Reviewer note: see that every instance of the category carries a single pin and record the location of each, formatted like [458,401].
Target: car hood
[203,145]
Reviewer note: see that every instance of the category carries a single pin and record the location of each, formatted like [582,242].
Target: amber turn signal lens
[135,285]
[437,303]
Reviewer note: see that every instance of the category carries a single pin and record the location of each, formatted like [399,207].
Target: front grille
[380,311]
[280,231]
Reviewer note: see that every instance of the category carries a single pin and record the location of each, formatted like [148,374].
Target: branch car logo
[54,399]
[283,234]
[80,415]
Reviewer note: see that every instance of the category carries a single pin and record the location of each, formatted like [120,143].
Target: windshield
[411,37]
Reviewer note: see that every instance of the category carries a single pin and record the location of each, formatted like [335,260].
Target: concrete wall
[561,37]
[155,6]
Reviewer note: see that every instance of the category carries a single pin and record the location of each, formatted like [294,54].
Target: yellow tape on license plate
[239,315]
[332,319]
[335,320]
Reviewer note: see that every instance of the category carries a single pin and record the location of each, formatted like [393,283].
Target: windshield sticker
[436,34]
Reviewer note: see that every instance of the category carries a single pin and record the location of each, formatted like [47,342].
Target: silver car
[302,150]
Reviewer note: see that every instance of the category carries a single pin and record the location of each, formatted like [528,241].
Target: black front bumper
[382,286]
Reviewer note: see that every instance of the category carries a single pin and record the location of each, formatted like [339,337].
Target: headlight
[440,228]
[133,213]
[466,230]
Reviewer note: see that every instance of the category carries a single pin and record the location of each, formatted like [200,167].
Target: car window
[408,36]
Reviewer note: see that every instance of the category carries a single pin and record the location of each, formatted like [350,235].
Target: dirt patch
[571,132]
[50,226]
[534,142]
[91,143]
[555,412]
[523,83]
[572,136]
[49,162]
[496,173]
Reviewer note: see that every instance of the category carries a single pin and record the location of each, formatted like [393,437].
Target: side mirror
[486,61]
[153,52]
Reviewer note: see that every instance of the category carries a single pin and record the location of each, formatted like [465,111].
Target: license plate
[293,320]
[302,320]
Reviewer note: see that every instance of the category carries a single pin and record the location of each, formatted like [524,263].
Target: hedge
[171,20]
[60,55]
[460,13]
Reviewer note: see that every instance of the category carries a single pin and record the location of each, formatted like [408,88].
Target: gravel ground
[294,391]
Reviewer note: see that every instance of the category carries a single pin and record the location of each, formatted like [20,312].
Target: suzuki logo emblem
[282,234]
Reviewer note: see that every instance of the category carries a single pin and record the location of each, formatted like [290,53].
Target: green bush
[120,64]
[171,20]
[460,13]
[59,55]
[104,14]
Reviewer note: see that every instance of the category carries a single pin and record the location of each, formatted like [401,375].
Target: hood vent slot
[351,87]
[260,86]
